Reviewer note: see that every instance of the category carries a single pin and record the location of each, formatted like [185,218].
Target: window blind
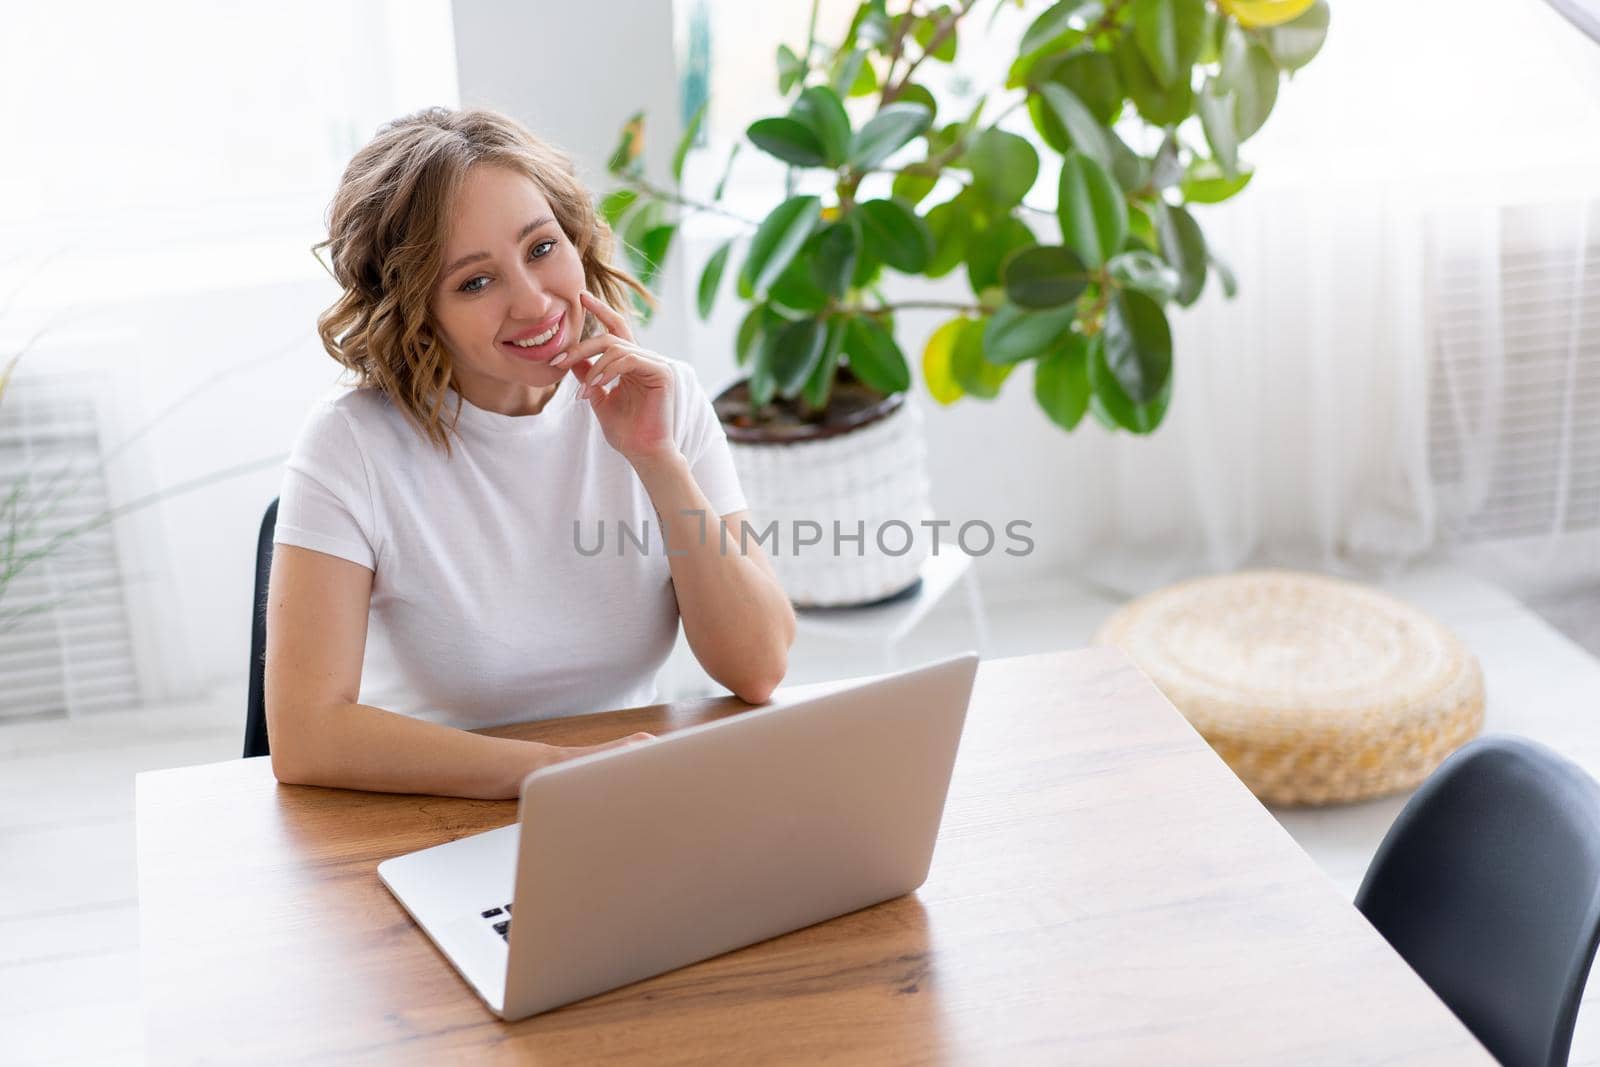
[65,647]
[1514,336]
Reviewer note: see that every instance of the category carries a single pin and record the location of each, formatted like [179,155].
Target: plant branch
[112,514]
[923,305]
[24,521]
[895,48]
[892,92]
[684,202]
[1107,20]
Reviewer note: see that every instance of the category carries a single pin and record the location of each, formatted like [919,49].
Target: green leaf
[1211,39]
[1112,405]
[912,186]
[778,239]
[1131,170]
[847,67]
[875,358]
[686,142]
[924,29]
[711,278]
[1138,345]
[1093,212]
[790,69]
[796,288]
[1216,107]
[1015,334]
[1230,287]
[1146,272]
[615,204]
[748,338]
[818,385]
[789,139]
[1053,23]
[1247,72]
[936,362]
[647,214]
[835,262]
[894,234]
[871,25]
[1091,77]
[626,157]
[1004,167]
[868,268]
[1295,43]
[762,386]
[975,375]
[919,94]
[1159,104]
[1169,34]
[1141,230]
[1074,125]
[1165,170]
[657,241]
[1061,381]
[722,182]
[886,133]
[820,110]
[947,227]
[989,246]
[1205,182]
[1044,276]
[865,82]
[795,351]
[1183,246]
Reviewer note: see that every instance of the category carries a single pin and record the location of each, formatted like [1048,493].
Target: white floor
[69,976]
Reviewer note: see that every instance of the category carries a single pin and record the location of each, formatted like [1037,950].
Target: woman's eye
[468,286]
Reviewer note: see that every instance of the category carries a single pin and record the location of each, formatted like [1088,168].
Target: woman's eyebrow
[475,256]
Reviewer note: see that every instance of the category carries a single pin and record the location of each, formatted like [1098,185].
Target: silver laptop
[628,863]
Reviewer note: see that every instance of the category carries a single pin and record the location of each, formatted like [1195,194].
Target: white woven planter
[873,479]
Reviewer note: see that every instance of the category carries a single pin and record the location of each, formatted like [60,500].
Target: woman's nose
[530,301]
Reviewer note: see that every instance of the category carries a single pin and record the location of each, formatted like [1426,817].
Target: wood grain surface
[1103,891]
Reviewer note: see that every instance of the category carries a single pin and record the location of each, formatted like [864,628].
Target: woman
[435,567]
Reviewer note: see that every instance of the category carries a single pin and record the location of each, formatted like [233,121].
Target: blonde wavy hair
[387,227]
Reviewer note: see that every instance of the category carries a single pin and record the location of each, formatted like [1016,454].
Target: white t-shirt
[488,605]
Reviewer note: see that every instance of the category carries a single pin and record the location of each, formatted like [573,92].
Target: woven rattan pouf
[1314,690]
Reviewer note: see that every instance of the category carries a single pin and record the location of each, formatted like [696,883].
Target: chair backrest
[255,718]
[1488,883]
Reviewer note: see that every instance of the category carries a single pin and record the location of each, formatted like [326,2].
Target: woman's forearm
[354,746]
[736,616]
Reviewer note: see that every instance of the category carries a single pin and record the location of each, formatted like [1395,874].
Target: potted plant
[1141,105]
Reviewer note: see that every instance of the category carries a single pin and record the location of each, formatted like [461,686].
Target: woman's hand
[545,754]
[636,415]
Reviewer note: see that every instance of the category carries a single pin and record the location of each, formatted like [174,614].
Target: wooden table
[1103,891]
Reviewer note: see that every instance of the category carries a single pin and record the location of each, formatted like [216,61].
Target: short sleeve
[325,503]
[704,445]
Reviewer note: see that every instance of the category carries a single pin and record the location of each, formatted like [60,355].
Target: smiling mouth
[542,345]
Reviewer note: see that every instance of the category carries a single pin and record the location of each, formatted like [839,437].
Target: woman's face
[522,281]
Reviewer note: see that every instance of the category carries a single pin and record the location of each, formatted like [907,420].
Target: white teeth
[540,339]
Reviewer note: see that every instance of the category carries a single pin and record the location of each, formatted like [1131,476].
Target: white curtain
[1312,415]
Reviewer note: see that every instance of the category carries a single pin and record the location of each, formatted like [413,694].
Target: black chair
[255,718]
[1488,883]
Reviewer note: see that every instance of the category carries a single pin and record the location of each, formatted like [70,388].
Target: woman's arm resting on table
[316,636]
[735,614]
